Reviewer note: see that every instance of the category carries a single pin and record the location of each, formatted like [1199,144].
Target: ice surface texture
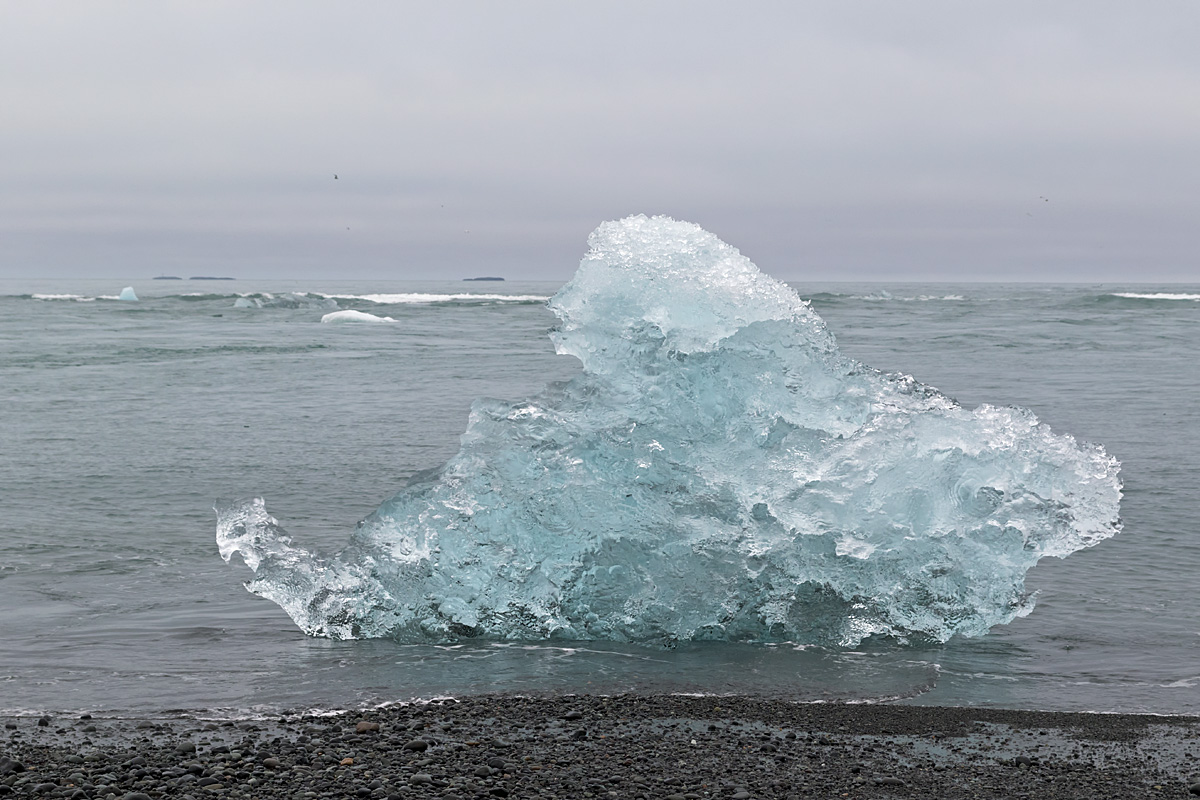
[718,471]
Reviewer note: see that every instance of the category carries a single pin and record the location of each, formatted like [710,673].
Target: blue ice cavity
[128,294]
[718,471]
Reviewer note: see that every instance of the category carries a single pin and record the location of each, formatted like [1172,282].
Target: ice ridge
[718,471]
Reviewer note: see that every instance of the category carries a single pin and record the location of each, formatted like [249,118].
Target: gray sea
[122,421]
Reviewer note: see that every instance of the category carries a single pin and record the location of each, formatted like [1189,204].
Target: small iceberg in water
[350,315]
[128,294]
[718,471]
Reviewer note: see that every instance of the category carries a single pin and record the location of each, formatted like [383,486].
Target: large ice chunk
[718,471]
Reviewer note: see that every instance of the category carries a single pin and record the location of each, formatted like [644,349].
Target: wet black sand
[667,747]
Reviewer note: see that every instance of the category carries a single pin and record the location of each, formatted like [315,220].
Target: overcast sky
[839,140]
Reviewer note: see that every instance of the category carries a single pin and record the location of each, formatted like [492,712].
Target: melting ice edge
[719,471]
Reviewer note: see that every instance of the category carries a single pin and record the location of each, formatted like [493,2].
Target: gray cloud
[853,140]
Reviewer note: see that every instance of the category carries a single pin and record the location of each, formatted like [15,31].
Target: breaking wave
[320,300]
[1156,296]
[719,471]
[424,298]
[882,296]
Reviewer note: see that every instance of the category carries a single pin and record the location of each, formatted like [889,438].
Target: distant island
[487,278]
[207,278]
[168,278]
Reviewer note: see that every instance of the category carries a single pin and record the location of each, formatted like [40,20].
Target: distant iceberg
[128,294]
[350,315]
[719,471]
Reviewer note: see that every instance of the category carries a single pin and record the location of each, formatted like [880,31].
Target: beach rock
[418,745]
[1195,788]
[366,727]
[637,747]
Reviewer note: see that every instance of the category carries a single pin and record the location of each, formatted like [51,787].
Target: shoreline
[680,747]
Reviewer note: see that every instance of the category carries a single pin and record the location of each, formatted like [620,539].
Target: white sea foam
[1157,296]
[1183,683]
[76,297]
[423,297]
[350,315]
[921,298]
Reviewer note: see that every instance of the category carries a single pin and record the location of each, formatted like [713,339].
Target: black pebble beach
[629,746]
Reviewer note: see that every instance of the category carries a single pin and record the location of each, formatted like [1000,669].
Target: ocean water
[122,422]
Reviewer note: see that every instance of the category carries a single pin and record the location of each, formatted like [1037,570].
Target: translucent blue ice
[718,471]
[128,294]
